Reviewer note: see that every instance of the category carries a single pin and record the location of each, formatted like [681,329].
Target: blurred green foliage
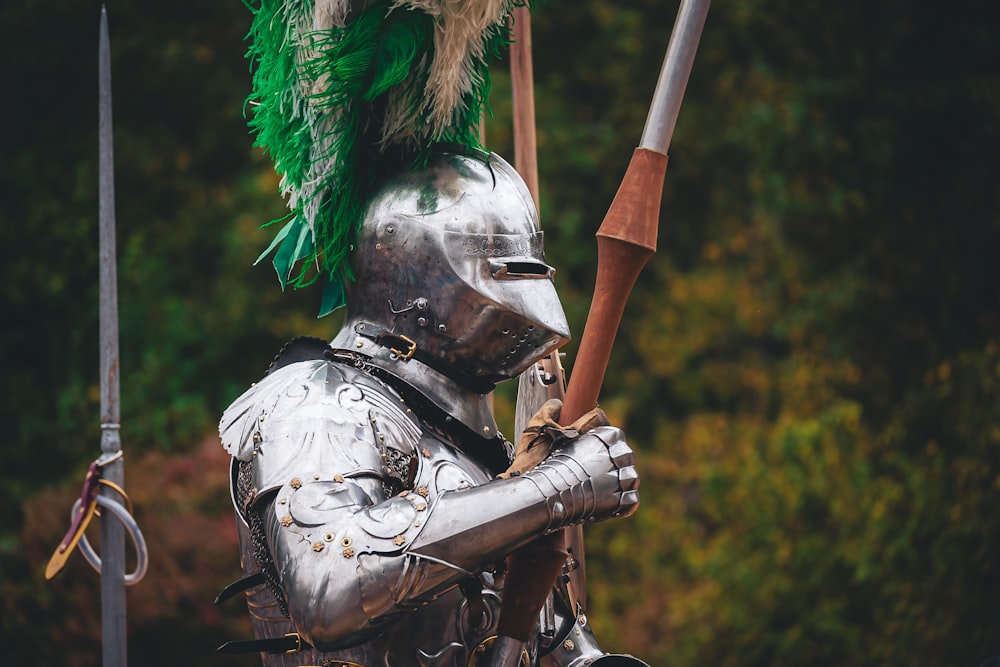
[809,369]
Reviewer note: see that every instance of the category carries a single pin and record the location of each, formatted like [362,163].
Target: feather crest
[342,94]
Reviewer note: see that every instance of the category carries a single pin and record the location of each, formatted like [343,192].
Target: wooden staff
[625,242]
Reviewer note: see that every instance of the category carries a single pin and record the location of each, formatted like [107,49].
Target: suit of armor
[372,524]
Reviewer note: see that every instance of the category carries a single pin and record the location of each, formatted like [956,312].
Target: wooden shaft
[523,85]
[625,242]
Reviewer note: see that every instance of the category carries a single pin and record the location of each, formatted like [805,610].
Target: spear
[625,241]
[113,641]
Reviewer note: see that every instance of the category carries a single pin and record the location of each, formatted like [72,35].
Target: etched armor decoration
[373,527]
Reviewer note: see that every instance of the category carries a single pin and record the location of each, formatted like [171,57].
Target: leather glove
[544,432]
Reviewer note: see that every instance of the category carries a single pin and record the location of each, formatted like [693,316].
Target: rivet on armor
[442,328]
[416,524]
[582,619]
[421,507]
[348,553]
[381,436]
[256,437]
[361,327]
[282,501]
[487,430]
[316,477]
[569,645]
[296,483]
[373,420]
[378,246]
[346,542]
[399,540]
[328,537]
[408,411]
[338,478]
[286,521]
[426,452]
[421,321]
[423,491]
[261,419]
[318,546]
[390,229]
[359,344]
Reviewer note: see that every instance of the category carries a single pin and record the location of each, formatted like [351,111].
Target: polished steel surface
[360,568]
[451,257]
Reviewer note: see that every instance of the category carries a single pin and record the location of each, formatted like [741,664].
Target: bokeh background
[809,368]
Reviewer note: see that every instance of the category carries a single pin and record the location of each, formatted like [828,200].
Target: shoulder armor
[317,416]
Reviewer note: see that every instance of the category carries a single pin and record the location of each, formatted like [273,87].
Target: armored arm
[350,557]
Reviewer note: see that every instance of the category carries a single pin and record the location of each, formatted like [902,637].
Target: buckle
[298,642]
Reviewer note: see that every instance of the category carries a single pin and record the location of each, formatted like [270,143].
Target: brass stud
[316,477]
[282,501]
[426,452]
[338,478]
[421,507]
[381,436]
[286,521]
[486,430]
[346,542]
[318,546]
[256,437]
[261,419]
[416,524]
[423,491]
[328,537]
[399,540]
[569,645]
[348,553]
[296,483]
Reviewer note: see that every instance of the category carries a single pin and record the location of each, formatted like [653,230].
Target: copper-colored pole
[523,85]
[625,242]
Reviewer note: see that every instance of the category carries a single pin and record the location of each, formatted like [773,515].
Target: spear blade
[112,534]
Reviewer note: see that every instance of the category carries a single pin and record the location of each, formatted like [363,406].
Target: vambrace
[349,565]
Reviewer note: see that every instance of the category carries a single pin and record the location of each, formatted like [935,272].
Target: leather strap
[290,643]
[407,349]
[244,584]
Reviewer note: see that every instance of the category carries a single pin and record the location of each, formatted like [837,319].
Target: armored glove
[588,455]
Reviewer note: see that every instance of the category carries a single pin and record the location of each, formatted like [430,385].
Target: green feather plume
[341,95]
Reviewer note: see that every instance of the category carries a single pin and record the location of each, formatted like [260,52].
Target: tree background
[809,372]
